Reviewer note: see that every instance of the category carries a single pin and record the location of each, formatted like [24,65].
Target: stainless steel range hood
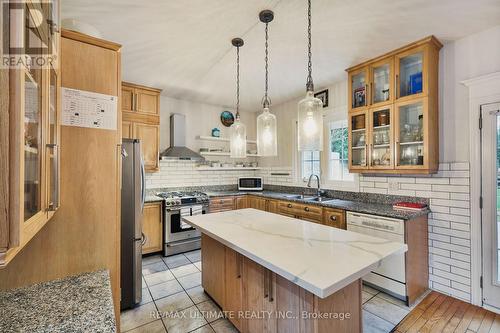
[178,149]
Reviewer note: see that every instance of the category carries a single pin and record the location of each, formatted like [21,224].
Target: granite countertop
[298,251]
[151,197]
[348,205]
[80,303]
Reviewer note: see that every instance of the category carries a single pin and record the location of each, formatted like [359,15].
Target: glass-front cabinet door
[32,142]
[411,135]
[53,143]
[410,80]
[381,82]
[381,156]
[358,136]
[358,88]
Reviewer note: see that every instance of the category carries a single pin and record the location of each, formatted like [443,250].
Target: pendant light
[238,136]
[266,122]
[310,115]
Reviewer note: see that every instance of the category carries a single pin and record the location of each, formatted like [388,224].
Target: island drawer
[309,212]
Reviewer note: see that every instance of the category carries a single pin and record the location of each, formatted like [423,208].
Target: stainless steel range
[179,236]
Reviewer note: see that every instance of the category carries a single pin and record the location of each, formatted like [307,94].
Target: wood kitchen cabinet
[213,258]
[233,286]
[311,213]
[272,206]
[220,204]
[141,120]
[152,227]
[257,202]
[30,134]
[149,136]
[394,111]
[240,285]
[334,218]
[241,202]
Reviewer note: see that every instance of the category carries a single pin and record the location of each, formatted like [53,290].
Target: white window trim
[334,114]
[482,90]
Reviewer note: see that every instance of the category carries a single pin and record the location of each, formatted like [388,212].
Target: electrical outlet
[393,186]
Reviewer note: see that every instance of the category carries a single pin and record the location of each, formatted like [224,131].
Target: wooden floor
[441,313]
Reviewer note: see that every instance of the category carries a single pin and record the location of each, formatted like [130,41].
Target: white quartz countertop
[318,258]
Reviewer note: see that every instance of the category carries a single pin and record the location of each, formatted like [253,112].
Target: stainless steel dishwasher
[390,276]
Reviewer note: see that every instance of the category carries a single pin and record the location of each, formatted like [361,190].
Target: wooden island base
[257,300]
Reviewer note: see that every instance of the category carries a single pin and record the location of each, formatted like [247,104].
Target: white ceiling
[184,47]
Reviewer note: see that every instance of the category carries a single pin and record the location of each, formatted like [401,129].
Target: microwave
[250,184]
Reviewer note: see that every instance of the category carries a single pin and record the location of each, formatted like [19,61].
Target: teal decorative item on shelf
[216,132]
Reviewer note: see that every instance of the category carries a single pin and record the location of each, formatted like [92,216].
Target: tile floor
[171,284]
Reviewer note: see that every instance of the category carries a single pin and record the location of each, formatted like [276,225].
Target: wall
[200,119]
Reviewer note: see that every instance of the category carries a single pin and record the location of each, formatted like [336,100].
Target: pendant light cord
[309,84]
[238,82]
[266,102]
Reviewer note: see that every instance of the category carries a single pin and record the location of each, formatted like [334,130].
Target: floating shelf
[213,138]
[222,153]
[226,168]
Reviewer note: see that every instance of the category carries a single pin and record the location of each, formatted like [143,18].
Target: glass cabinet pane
[358,90]
[32,141]
[411,134]
[381,138]
[410,74]
[381,83]
[52,146]
[358,140]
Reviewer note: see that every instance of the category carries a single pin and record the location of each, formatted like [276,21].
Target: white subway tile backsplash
[449,222]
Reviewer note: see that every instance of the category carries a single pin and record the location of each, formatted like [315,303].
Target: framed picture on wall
[323,96]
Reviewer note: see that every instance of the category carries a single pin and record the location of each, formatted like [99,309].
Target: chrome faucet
[318,191]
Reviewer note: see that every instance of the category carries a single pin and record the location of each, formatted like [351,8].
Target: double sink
[309,198]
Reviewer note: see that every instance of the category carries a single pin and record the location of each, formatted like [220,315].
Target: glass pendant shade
[310,123]
[267,144]
[238,139]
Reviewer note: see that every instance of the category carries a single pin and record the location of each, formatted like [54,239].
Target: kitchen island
[272,273]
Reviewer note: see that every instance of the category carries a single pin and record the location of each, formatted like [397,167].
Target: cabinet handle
[397,85]
[289,206]
[270,284]
[266,292]
[306,209]
[371,90]
[396,153]
[366,155]
[366,95]
[238,266]
[144,239]
[333,217]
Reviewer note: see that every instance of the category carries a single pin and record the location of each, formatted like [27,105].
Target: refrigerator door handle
[143,185]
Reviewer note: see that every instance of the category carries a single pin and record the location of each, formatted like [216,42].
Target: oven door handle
[197,239]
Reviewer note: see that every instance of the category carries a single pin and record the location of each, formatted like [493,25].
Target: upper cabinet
[393,111]
[33,129]
[141,120]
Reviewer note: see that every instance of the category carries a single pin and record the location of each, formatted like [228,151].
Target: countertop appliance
[390,276]
[179,236]
[250,184]
[132,201]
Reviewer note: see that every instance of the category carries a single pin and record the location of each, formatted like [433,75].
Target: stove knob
[168,203]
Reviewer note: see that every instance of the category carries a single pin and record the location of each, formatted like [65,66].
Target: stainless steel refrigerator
[132,239]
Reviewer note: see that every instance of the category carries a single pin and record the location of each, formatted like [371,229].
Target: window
[338,152]
[311,164]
